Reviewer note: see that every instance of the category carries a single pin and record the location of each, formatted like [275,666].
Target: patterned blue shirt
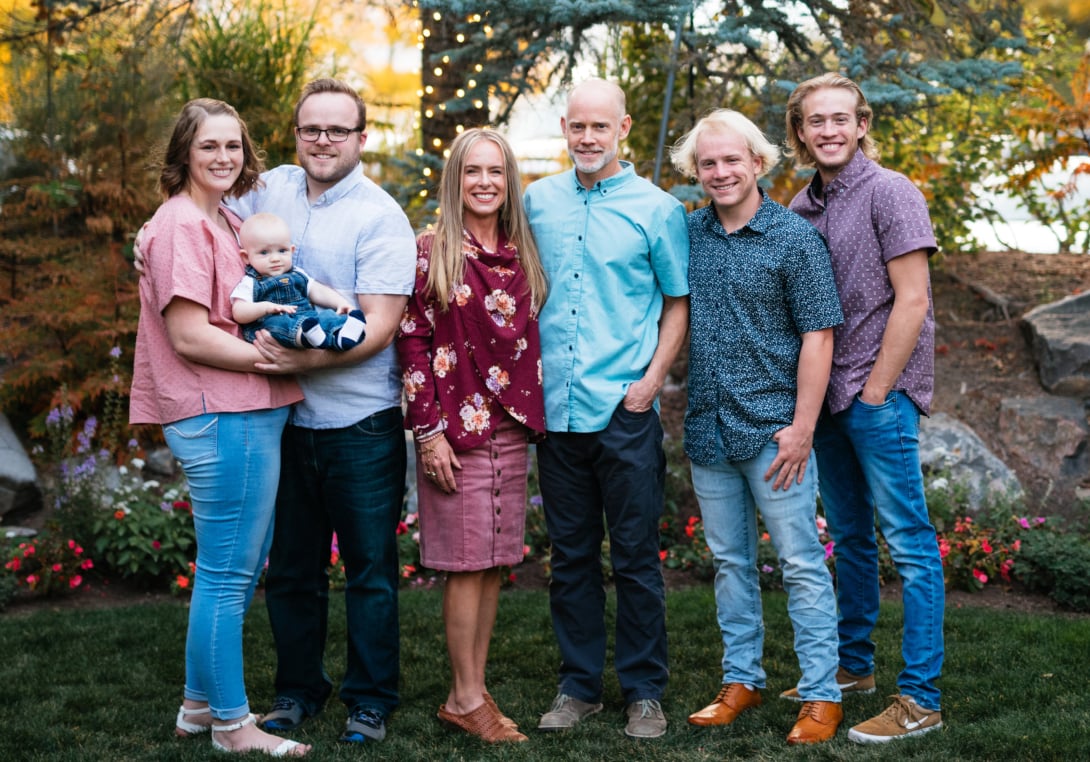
[611,253]
[753,293]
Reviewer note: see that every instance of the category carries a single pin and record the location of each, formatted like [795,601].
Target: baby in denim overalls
[282,299]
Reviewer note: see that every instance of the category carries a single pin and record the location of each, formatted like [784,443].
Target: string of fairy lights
[441,84]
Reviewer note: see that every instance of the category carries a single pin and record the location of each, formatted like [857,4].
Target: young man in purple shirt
[879,233]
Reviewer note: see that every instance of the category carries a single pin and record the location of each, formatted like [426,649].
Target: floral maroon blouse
[463,369]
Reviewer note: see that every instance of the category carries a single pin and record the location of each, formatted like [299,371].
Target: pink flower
[1023,522]
[32,579]
[986,546]
[75,581]
[86,564]
[525,550]
[981,577]
[1016,546]
[28,552]
[829,549]
[944,547]
[57,568]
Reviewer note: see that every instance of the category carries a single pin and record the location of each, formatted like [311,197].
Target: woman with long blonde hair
[471,368]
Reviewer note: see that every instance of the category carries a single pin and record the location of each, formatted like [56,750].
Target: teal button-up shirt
[610,253]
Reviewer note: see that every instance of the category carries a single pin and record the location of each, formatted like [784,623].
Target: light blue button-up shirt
[610,253]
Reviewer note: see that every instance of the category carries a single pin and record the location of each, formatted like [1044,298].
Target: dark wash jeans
[620,471]
[351,481]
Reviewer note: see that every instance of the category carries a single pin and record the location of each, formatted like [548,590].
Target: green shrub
[1057,565]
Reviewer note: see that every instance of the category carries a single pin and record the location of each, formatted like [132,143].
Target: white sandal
[183,728]
[283,750]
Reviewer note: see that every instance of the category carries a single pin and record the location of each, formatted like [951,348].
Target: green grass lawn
[105,685]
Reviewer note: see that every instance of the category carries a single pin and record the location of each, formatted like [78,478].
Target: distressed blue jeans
[869,463]
[232,463]
[730,494]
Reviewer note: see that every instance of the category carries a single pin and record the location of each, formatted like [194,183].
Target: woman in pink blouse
[194,376]
[471,368]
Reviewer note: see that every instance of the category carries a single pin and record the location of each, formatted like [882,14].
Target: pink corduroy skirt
[482,524]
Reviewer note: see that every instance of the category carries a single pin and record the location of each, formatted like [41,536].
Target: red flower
[57,568]
[408,570]
[182,581]
[402,527]
[86,564]
[662,555]
[119,514]
[981,577]
[986,546]
[182,505]
[75,581]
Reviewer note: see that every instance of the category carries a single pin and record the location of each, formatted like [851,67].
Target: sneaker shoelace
[283,704]
[649,708]
[368,717]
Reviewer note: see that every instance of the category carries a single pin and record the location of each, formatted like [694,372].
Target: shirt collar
[845,178]
[609,184]
[758,223]
[343,187]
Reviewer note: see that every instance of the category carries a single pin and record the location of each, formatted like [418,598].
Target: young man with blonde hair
[879,233]
[763,304]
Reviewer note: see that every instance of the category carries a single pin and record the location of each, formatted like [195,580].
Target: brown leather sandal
[507,721]
[484,722]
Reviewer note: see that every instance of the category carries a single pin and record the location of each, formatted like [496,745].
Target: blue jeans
[730,494]
[869,461]
[351,481]
[621,471]
[231,461]
[285,328]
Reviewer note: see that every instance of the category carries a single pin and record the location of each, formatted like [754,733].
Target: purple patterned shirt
[870,215]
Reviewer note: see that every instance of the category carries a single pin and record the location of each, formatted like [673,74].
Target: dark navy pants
[621,472]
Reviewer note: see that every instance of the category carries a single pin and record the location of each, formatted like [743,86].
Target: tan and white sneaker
[903,718]
[858,685]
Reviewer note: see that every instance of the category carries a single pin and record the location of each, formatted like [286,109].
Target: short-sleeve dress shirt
[463,369]
[610,253]
[356,239]
[188,257]
[870,215]
[753,293]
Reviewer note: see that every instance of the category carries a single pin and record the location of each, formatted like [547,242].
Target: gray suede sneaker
[286,714]
[566,712]
[645,719]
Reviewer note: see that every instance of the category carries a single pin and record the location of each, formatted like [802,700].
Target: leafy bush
[47,565]
[149,535]
[1058,565]
[140,530]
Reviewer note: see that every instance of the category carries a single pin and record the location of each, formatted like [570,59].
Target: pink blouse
[463,369]
[189,257]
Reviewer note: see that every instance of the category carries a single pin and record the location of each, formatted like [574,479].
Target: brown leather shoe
[818,721]
[485,722]
[732,700]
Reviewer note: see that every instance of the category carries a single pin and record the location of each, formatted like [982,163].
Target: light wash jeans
[730,493]
[232,464]
[869,460]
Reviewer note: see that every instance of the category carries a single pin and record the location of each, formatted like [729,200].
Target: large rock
[947,445]
[18,479]
[1059,334]
[1049,433]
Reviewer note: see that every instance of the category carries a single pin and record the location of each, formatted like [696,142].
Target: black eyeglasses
[335,134]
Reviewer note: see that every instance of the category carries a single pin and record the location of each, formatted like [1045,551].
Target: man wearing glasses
[343,457]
